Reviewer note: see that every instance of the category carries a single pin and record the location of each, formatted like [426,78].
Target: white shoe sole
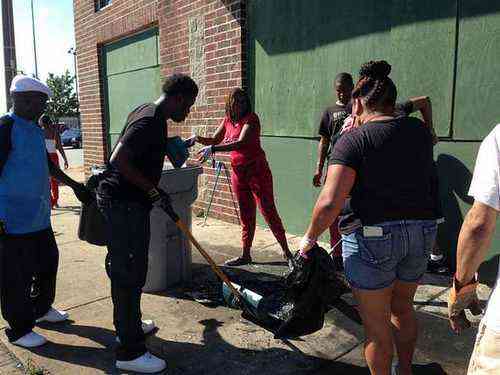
[45,320]
[32,345]
[130,367]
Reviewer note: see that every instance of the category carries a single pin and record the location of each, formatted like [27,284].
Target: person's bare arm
[121,160]
[474,240]
[339,182]
[323,146]
[423,104]
[60,148]
[245,136]
[215,140]
[81,192]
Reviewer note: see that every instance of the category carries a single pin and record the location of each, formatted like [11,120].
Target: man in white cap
[28,252]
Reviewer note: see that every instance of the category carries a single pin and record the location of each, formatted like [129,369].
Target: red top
[252,150]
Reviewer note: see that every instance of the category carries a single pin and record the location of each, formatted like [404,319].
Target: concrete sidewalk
[212,339]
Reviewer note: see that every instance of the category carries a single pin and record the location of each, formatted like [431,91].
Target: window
[99,4]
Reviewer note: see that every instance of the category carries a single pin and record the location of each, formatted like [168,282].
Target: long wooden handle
[210,261]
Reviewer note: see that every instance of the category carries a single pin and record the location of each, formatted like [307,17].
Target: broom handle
[210,261]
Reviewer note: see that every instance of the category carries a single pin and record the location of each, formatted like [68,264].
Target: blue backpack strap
[6,123]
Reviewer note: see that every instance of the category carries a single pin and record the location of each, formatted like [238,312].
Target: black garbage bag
[312,287]
[92,227]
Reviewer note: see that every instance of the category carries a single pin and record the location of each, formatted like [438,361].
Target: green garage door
[478,70]
[131,74]
[297,47]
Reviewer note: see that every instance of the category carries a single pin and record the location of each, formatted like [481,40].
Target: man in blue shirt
[28,252]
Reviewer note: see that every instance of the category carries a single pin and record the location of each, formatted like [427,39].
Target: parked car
[72,137]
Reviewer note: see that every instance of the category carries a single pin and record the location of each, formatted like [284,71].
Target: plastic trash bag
[92,227]
[312,288]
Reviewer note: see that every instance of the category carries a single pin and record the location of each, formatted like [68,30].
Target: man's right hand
[317,178]
[161,199]
[462,298]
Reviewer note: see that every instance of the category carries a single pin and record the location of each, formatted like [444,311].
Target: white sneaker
[148,326]
[30,340]
[147,363]
[54,316]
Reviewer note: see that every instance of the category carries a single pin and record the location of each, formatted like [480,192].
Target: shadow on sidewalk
[212,356]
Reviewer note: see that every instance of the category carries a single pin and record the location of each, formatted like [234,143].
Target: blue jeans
[376,256]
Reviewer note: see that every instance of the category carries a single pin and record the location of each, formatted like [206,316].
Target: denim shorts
[395,250]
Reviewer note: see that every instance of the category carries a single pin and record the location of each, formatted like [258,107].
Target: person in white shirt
[473,244]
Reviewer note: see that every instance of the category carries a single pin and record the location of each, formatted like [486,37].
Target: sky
[54,36]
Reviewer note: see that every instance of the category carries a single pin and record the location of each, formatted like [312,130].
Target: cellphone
[373,231]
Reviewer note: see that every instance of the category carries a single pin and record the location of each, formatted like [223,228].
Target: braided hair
[374,86]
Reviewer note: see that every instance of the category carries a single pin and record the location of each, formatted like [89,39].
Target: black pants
[28,266]
[127,228]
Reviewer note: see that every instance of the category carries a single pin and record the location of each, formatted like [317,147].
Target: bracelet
[459,286]
[306,243]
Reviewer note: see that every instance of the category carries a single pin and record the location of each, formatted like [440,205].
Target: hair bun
[375,69]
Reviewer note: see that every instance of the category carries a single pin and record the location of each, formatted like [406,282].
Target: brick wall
[203,38]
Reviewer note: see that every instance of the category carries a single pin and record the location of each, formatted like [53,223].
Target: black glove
[161,199]
[83,194]
[93,182]
[190,142]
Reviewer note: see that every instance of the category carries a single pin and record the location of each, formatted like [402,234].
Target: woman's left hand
[205,153]
[66,165]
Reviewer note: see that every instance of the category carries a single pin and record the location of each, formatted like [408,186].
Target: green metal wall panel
[132,53]
[131,77]
[293,190]
[127,91]
[297,47]
[478,70]
[422,53]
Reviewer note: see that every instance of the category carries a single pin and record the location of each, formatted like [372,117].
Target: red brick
[225,61]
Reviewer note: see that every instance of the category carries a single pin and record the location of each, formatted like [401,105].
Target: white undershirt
[50,145]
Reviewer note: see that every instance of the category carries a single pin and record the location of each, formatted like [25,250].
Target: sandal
[240,261]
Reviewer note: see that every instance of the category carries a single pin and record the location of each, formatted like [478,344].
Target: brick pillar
[204,38]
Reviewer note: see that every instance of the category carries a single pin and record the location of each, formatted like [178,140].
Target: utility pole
[34,38]
[72,51]
[8,46]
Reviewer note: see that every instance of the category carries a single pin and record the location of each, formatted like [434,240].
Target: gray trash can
[169,250]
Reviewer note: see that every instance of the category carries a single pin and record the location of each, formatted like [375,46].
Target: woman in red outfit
[251,179]
[53,144]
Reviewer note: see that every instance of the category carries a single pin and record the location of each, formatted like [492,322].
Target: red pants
[253,185]
[54,185]
[335,238]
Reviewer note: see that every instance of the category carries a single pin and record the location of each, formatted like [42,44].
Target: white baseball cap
[22,83]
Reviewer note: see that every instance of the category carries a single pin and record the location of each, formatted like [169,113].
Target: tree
[64,102]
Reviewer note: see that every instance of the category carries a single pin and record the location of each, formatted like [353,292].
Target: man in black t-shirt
[330,125]
[125,196]
[332,120]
